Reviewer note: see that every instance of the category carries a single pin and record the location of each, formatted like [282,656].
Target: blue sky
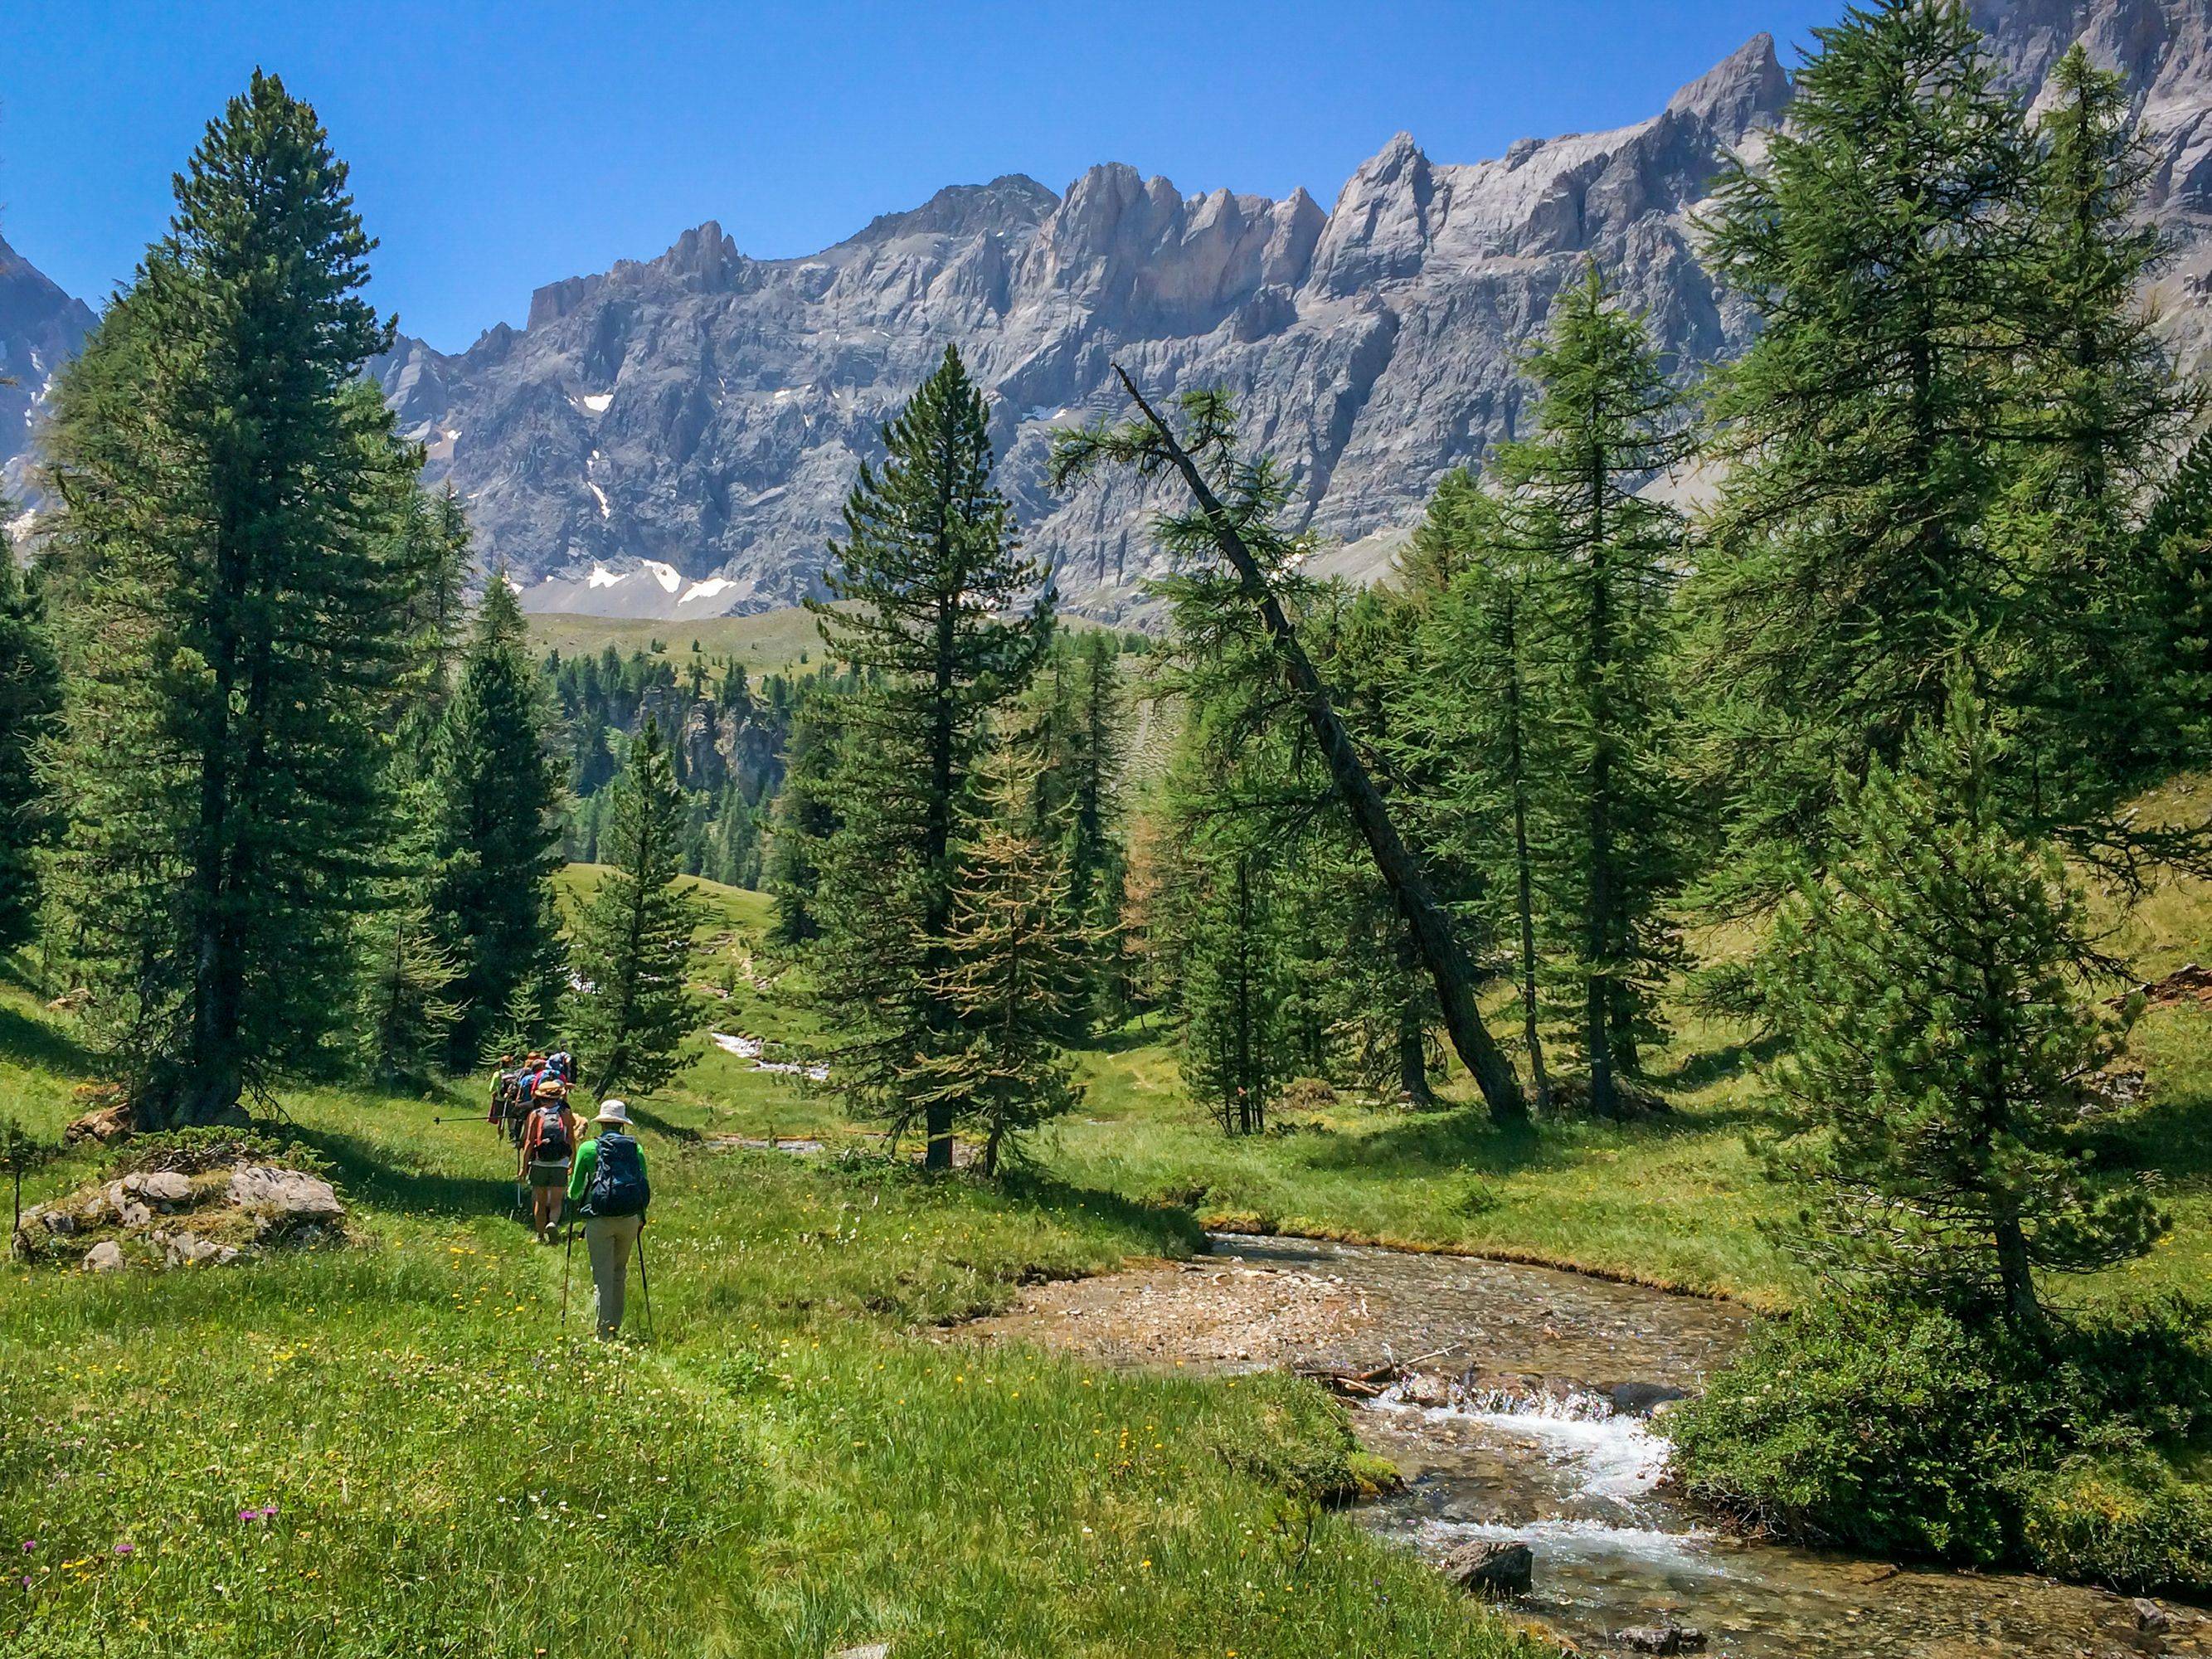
[495,147]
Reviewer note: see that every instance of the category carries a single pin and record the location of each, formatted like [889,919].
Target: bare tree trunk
[1413,1057]
[1441,952]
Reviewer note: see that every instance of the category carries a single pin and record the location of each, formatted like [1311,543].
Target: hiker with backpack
[502,1084]
[608,1183]
[515,1104]
[549,1149]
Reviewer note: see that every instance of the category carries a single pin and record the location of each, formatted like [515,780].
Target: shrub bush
[2127,1521]
[1864,1425]
[1902,1431]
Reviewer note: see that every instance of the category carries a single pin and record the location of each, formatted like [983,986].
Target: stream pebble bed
[1507,1430]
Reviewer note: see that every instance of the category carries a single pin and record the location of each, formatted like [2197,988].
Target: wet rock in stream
[1660,1638]
[1490,1569]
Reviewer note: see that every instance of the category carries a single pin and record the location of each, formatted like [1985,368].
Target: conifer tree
[238,632]
[633,945]
[927,573]
[1601,559]
[30,701]
[1012,973]
[1231,536]
[2094,691]
[1864,432]
[1488,711]
[496,790]
[1235,1046]
[407,1006]
[437,553]
[804,817]
[1933,987]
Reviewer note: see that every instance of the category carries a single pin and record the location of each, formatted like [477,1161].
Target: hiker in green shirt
[608,1185]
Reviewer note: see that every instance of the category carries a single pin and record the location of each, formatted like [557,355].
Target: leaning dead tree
[1232,517]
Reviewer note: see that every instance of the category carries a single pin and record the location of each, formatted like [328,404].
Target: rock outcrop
[1494,1568]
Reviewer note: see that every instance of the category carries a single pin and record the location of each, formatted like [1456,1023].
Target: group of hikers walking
[603,1177]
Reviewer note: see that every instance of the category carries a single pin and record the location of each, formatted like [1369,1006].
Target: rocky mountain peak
[40,329]
[673,437]
[1746,89]
[1012,203]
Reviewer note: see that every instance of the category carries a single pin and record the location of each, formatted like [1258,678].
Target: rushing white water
[1598,1454]
[1592,1541]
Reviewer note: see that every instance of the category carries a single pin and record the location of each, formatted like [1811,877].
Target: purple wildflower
[125,1549]
[30,1544]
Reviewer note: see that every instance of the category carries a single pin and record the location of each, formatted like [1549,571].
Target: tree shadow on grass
[1702,1067]
[2171,1137]
[646,1118]
[1166,1230]
[370,1174]
[34,1043]
[1464,1138]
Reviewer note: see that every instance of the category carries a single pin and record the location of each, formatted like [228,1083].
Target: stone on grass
[190,1250]
[281,1197]
[1668,1637]
[1491,1567]
[58,1222]
[164,1189]
[104,1257]
[105,1126]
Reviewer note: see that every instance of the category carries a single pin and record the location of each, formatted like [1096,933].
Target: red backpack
[552,1136]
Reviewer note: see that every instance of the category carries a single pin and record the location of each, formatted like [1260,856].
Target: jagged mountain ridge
[674,437]
[40,329]
[696,419]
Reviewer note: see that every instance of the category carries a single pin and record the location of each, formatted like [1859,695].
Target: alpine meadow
[1125,923]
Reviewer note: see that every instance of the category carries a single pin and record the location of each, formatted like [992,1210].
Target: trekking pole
[645,1283]
[567,1255]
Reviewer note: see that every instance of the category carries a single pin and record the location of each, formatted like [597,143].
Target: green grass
[1677,1200]
[801,1461]
[771,642]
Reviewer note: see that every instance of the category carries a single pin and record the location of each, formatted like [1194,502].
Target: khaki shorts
[549,1175]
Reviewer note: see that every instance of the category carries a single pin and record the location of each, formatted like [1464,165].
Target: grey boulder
[1491,1568]
[283,1197]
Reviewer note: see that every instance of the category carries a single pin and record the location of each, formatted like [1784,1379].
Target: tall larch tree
[1864,433]
[1602,559]
[633,945]
[926,580]
[496,787]
[30,702]
[1485,716]
[1939,1004]
[1012,972]
[239,622]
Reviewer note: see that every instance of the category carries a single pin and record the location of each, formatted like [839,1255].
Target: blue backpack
[617,1186]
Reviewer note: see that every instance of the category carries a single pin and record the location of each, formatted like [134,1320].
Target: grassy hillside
[771,642]
[768,642]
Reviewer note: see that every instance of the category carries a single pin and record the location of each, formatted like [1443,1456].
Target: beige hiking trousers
[609,1239]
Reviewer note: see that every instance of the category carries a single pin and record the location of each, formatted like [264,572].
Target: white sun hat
[612,1111]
